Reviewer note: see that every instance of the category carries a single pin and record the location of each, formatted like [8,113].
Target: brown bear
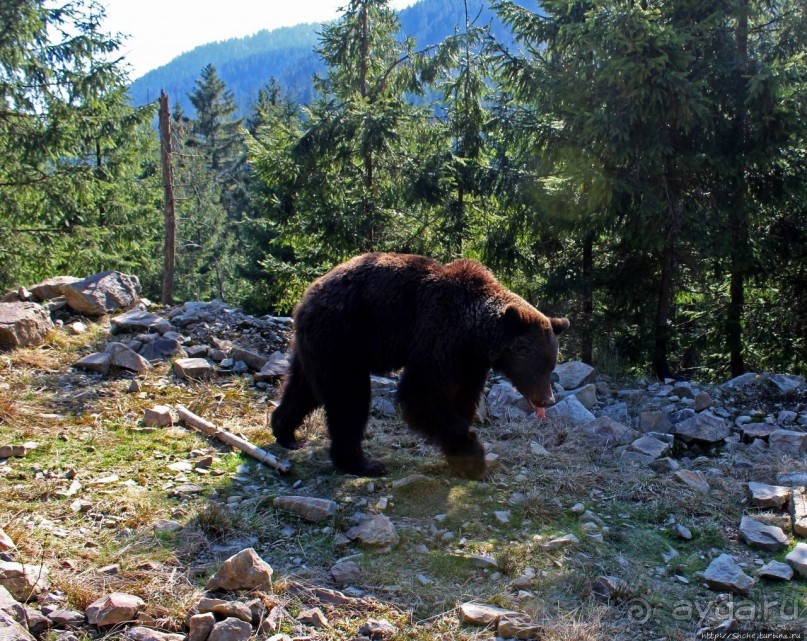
[445,325]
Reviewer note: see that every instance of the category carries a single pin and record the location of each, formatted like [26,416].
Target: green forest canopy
[639,167]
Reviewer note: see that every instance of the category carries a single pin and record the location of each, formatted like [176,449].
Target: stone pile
[239,604]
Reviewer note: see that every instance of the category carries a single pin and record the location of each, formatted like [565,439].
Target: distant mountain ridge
[287,54]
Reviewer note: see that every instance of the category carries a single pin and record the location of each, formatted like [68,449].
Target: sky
[160,30]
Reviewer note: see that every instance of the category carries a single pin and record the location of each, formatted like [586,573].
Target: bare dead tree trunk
[166,146]
[587,347]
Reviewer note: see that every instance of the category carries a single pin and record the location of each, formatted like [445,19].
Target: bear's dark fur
[445,325]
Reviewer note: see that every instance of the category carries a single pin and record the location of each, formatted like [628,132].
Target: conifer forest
[637,166]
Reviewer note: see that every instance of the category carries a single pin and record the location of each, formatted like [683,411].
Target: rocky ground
[648,510]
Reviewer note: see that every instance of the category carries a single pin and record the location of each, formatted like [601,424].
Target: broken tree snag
[232,440]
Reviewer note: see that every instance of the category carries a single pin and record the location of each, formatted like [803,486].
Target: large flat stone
[764,495]
[724,574]
[761,536]
[705,427]
[124,357]
[788,442]
[99,363]
[138,320]
[573,374]
[193,368]
[52,287]
[307,507]
[572,409]
[23,581]
[103,293]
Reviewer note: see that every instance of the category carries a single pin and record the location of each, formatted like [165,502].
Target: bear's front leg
[434,415]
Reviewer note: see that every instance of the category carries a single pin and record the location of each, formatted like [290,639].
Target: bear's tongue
[540,412]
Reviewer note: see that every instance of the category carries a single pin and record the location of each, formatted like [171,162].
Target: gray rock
[617,412]
[138,320]
[346,573]
[682,532]
[193,368]
[482,614]
[234,609]
[705,427]
[125,358]
[761,536]
[114,608]
[723,573]
[680,415]
[140,633]
[682,389]
[786,417]
[278,364]
[243,571]
[51,287]
[608,432]
[797,559]
[703,401]
[776,570]
[784,384]
[654,422]
[313,617]
[560,542]
[23,324]
[573,374]
[663,465]
[158,416]
[504,402]
[254,360]
[162,349]
[793,479]
[757,430]
[692,479]
[788,442]
[587,395]
[518,627]
[103,293]
[650,446]
[608,587]
[24,582]
[10,606]
[200,625]
[571,409]
[377,629]
[374,531]
[741,381]
[66,618]
[306,507]
[764,495]
[10,630]
[99,363]
[798,510]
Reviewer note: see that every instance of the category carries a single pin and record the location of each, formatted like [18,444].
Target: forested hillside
[638,167]
[288,55]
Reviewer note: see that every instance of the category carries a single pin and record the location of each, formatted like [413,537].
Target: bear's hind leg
[297,402]
[347,408]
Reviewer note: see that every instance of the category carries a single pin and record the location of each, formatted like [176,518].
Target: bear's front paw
[290,444]
[468,467]
[364,467]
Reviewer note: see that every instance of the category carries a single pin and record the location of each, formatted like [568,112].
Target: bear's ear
[559,325]
[514,322]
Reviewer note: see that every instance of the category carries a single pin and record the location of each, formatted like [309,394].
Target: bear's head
[529,351]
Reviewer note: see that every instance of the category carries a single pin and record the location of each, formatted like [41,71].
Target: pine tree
[77,162]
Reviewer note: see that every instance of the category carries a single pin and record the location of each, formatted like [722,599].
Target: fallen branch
[232,440]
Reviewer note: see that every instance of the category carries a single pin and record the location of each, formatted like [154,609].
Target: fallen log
[232,440]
